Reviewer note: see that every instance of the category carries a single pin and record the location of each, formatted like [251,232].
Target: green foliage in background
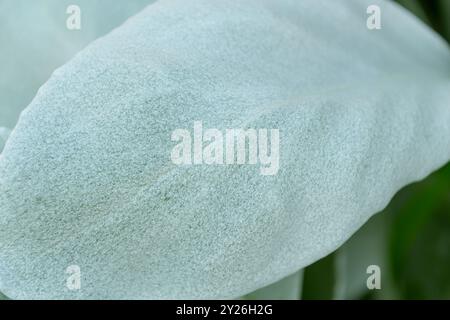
[409,240]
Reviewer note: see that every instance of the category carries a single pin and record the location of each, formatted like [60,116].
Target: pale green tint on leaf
[86,177]
[289,288]
[35,41]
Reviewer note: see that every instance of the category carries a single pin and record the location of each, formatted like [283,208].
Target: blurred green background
[409,240]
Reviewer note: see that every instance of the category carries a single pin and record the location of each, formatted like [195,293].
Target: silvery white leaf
[86,180]
[4,134]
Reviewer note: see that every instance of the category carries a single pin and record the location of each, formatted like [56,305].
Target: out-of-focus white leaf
[365,248]
[35,40]
[86,177]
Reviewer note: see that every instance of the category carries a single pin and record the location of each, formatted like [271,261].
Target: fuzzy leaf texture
[86,177]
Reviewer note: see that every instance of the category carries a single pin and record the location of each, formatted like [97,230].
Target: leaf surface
[86,177]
